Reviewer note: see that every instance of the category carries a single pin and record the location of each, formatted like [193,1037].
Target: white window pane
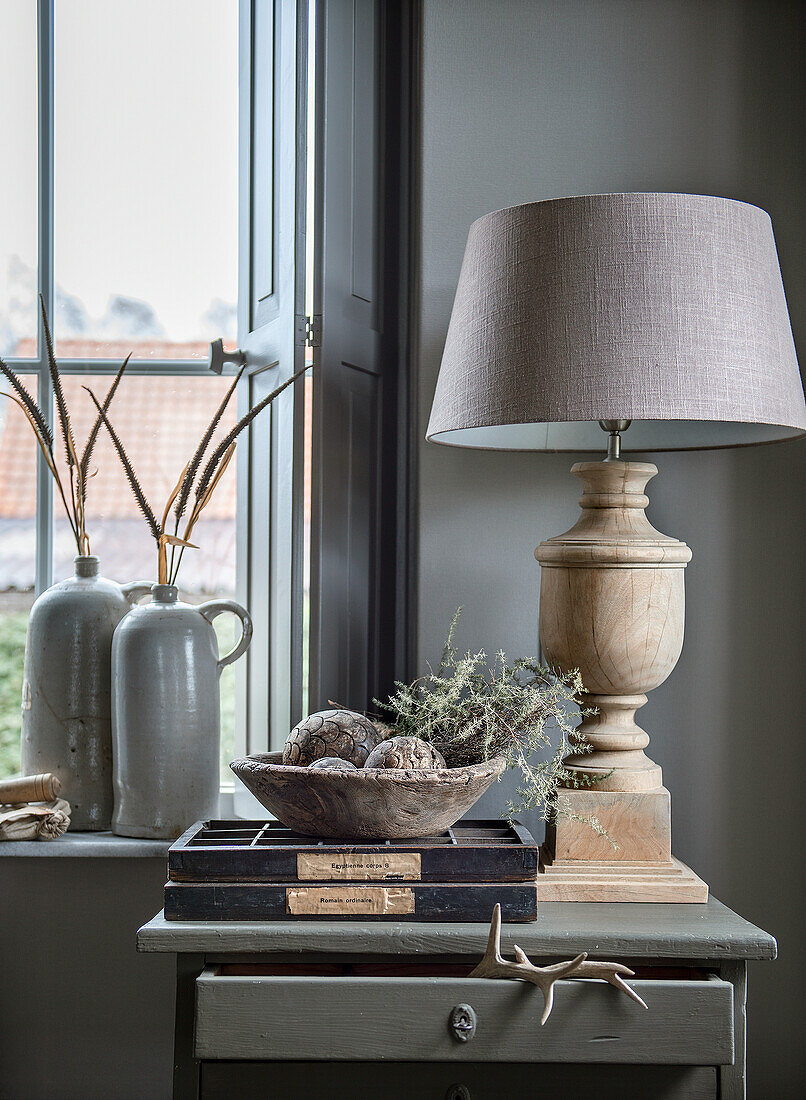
[18,451]
[18,205]
[145,176]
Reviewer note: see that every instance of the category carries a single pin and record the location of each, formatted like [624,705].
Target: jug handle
[218,607]
[135,590]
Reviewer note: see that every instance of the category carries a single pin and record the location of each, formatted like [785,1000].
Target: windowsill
[107,845]
[86,845]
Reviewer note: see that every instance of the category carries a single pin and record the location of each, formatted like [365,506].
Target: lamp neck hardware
[614,428]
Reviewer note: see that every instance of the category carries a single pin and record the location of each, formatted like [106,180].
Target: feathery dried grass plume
[78,468]
[472,710]
[131,476]
[58,393]
[189,483]
[193,466]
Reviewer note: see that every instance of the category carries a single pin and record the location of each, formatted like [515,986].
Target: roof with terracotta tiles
[160,421]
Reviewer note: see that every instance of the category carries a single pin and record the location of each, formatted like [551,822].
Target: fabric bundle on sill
[30,808]
[35,820]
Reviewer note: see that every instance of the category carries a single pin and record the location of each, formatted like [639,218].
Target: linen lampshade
[666,310]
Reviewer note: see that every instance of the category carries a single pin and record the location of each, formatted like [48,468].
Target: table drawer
[449,1081]
[689,1022]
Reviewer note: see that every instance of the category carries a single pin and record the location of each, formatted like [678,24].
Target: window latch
[217,357]
[308,331]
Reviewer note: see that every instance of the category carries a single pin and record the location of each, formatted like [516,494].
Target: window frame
[269,682]
[364,476]
[37,366]
[271,297]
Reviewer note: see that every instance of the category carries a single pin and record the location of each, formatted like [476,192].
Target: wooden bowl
[371,804]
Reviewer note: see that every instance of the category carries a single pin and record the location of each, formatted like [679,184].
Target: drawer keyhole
[462,1021]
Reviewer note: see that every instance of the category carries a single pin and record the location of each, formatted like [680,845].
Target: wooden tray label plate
[363,901]
[360,866]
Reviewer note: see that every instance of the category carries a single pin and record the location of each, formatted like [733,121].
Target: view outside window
[18,140]
[18,451]
[146,180]
[145,261]
[18,241]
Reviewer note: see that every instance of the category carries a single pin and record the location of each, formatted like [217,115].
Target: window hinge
[308,331]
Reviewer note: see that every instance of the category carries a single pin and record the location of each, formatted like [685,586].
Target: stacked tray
[255,870]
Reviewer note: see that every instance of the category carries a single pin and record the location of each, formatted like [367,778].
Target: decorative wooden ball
[333,764]
[342,733]
[405,752]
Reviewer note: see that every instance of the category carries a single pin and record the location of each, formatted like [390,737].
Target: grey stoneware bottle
[66,689]
[166,713]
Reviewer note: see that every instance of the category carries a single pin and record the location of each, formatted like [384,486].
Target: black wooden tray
[404,901]
[258,851]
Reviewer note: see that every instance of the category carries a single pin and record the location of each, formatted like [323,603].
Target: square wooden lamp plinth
[579,864]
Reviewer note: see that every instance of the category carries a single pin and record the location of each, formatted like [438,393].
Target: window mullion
[45,283]
[173,368]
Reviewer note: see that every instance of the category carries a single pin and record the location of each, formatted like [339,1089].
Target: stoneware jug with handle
[166,713]
[66,689]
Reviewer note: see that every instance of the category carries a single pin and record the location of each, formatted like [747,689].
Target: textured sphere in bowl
[332,763]
[405,752]
[382,804]
[343,733]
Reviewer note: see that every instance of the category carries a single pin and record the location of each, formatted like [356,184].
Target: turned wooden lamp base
[612,605]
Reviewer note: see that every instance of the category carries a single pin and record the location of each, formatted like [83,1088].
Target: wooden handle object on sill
[30,788]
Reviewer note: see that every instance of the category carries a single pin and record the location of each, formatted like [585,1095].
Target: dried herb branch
[471,711]
[74,497]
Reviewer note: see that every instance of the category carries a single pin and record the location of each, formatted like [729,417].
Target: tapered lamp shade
[666,310]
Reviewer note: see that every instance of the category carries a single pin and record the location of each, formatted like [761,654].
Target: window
[122,212]
[193,169]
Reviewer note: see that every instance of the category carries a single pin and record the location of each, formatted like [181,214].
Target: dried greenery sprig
[79,468]
[202,488]
[473,711]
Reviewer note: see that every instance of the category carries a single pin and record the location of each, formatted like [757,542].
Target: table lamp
[647,322]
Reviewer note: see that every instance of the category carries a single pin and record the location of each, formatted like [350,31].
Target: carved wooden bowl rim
[368,803]
[271,763]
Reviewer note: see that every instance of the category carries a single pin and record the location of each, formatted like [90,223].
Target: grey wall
[531,100]
[82,1015]
[525,101]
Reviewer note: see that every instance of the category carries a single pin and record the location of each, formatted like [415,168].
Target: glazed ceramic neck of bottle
[86,566]
[164,593]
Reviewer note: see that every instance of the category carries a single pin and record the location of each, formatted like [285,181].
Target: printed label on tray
[349,866]
[363,901]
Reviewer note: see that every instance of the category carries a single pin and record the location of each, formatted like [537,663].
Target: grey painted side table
[312,1009]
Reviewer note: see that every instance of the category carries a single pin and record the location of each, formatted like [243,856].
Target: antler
[494,965]
[611,973]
